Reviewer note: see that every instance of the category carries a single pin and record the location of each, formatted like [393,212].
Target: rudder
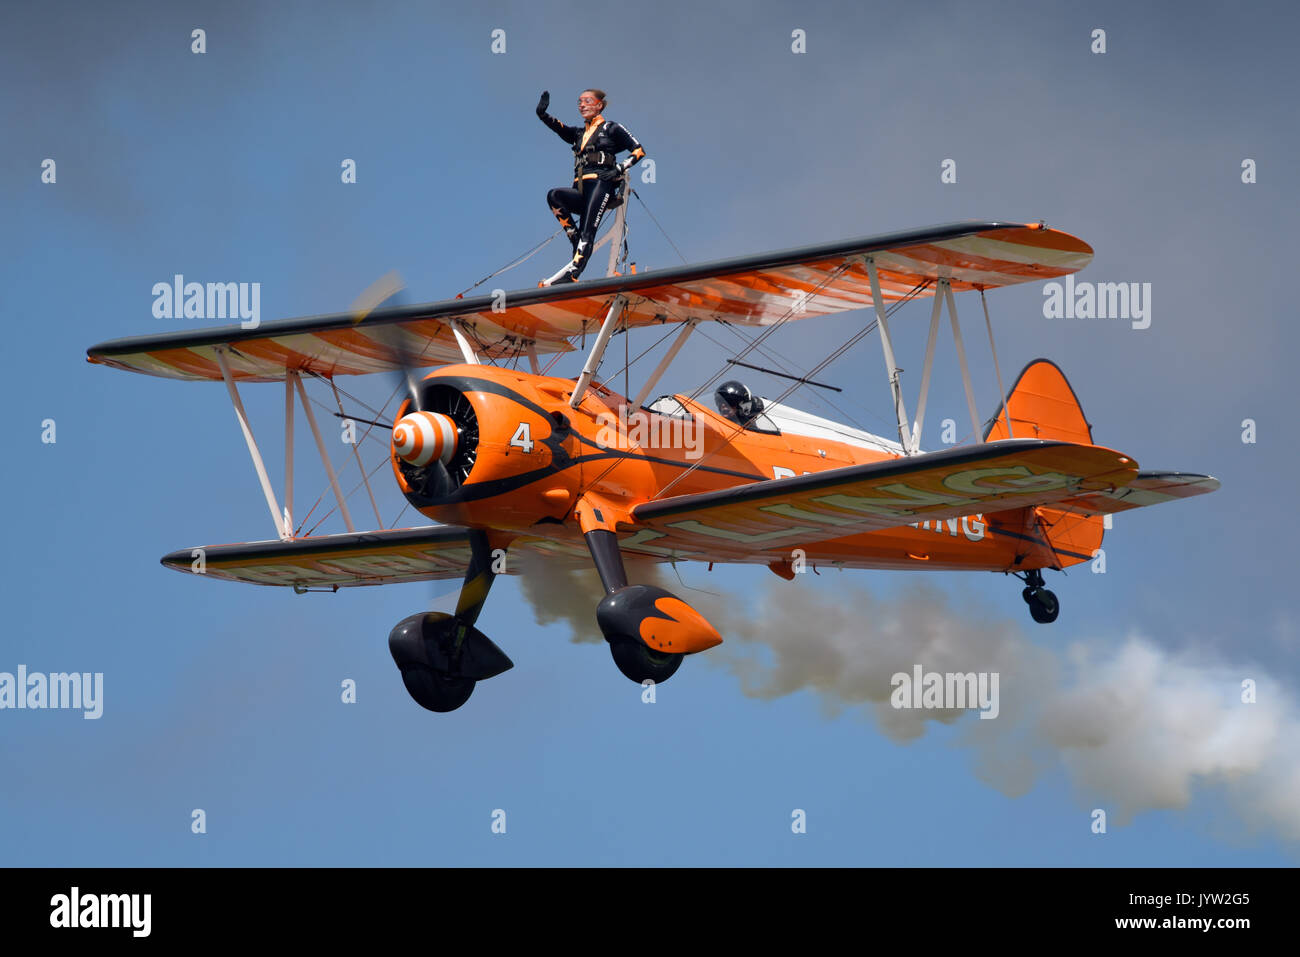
[1042,405]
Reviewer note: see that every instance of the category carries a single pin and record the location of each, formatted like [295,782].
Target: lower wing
[363,558]
[772,517]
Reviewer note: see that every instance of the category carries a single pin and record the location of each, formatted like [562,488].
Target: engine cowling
[434,448]
[512,461]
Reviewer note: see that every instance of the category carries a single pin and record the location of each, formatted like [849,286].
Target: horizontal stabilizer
[1149,488]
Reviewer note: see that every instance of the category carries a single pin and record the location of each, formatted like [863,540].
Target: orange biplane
[505,459]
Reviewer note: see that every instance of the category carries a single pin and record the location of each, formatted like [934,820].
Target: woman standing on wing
[595,174]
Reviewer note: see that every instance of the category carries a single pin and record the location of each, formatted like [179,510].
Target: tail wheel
[1043,607]
[639,662]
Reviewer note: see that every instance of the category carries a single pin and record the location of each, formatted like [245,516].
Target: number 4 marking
[522,439]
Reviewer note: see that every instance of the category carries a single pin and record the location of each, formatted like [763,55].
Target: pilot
[596,173]
[737,403]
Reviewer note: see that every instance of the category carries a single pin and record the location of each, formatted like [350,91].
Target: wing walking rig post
[504,459]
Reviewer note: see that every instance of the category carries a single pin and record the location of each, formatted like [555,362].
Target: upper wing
[386,340]
[772,517]
[366,558]
[752,290]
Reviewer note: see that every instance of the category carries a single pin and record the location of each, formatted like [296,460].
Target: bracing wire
[852,341]
[518,262]
[656,222]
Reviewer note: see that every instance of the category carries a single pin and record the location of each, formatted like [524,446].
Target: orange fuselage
[538,462]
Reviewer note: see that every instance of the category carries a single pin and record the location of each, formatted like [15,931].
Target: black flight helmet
[736,402]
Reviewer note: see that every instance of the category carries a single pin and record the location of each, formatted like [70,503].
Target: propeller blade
[390,289]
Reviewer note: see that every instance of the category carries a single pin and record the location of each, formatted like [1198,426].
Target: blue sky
[225,166]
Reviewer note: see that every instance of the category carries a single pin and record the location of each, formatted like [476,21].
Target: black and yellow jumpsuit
[595,174]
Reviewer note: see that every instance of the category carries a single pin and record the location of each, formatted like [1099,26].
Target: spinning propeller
[435,436]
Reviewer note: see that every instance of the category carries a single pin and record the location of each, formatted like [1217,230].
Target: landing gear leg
[1043,605]
[443,656]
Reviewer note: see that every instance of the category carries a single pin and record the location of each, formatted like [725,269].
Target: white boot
[571,269]
[568,270]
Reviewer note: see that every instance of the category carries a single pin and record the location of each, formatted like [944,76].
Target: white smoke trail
[560,594]
[1143,726]
[1136,727]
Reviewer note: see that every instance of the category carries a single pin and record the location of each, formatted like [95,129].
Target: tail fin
[1042,405]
